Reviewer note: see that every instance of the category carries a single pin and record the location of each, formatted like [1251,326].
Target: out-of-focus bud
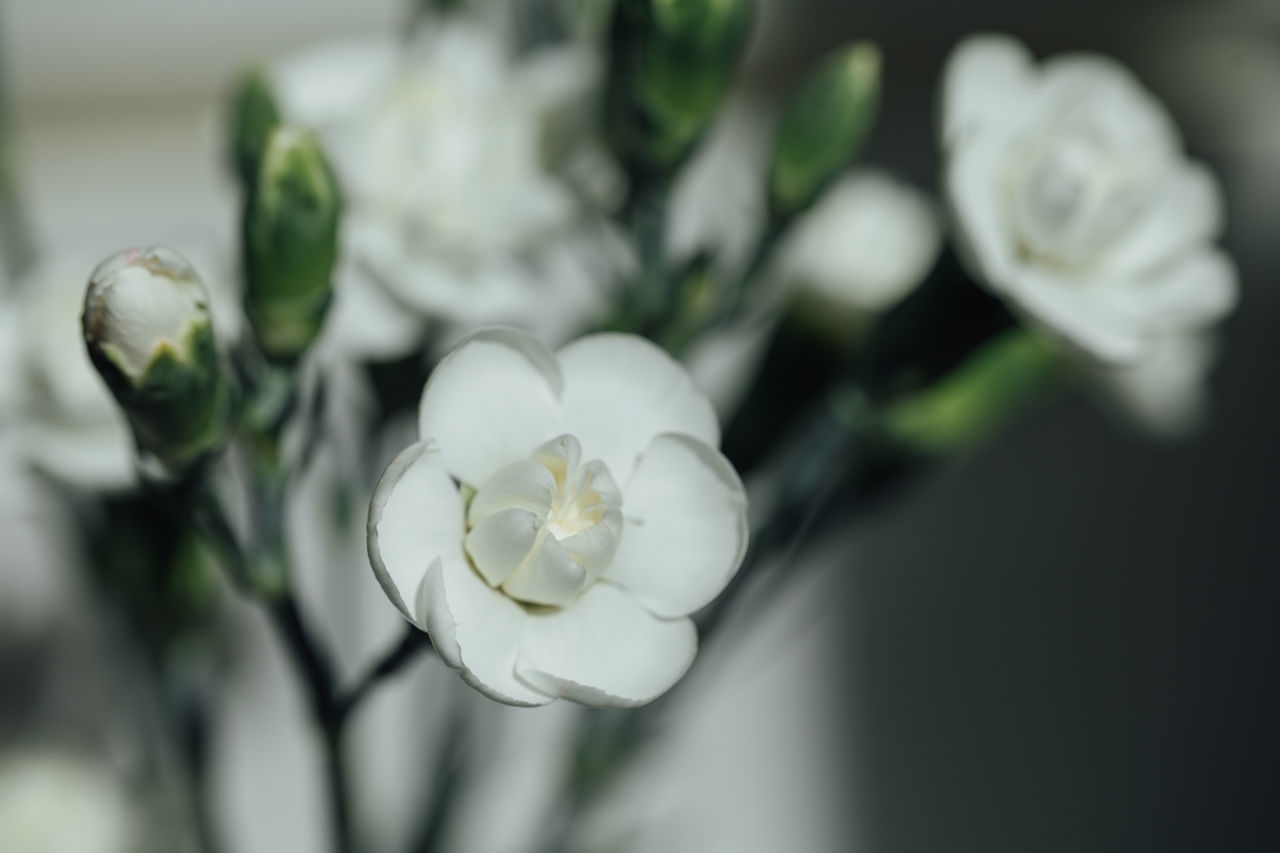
[148,330]
[823,128]
[290,243]
[671,62]
[253,114]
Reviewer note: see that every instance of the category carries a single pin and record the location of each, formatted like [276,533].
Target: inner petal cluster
[544,529]
[1073,195]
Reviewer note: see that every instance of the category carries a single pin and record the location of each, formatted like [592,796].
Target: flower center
[1072,196]
[544,529]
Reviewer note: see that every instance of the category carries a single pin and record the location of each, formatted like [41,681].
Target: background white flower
[446,149]
[1166,391]
[594,516]
[869,242]
[1074,200]
[54,802]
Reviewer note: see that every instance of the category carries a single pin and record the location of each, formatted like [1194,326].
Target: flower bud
[253,114]
[671,62]
[290,243]
[148,330]
[823,128]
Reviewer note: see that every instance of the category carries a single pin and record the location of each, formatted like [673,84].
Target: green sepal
[823,128]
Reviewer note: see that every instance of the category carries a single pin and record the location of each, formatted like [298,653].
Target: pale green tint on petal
[685,530]
[501,542]
[547,576]
[490,402]
[606,650]
[621,391]
[415,518]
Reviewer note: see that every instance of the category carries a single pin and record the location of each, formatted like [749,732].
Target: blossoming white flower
[52,802]
[445,150]
[869,242]
[560,518]
[1075,201]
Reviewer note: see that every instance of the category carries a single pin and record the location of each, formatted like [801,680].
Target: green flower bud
[290,243]
[253,115]
[823,128]
[147,326]
[671,62]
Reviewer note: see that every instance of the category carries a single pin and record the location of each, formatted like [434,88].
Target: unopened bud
[290,243]
[671,63]
[253,115]
[148,330]
[823,128]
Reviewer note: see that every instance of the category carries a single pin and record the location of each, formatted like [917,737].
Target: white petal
[1079,313]
[331,82]
[685,530]
[547,576]
[1194,291]
[987,80]
[975,195]
[490,402]
[1086,88]
[595,547]
[477,631]
[501,542]
[606,649]
[521,485]
[620,391]
[1186,211]
[415,517]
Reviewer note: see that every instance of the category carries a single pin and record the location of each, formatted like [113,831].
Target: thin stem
[413,642]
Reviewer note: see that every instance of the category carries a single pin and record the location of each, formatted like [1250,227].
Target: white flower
[445,149]
[51,802]
[869,242]
[560,518]
[1074,200]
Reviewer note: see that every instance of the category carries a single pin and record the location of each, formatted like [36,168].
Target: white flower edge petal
[984,234]
[686,528]
[987,80]
[606,649]
[490,402]
[99,457]
[477,631]
[1194,291]
[415,517]
[620,391]
[1129,115]
[1189,211]
[1078,317]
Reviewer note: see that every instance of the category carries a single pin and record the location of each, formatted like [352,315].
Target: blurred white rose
[869,242]
[55,802]
[1074,200]
[446,148]
[594,515]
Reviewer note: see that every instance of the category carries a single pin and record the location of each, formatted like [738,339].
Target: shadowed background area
[1066,641]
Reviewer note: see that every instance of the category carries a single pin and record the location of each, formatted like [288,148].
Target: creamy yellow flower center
[544,529]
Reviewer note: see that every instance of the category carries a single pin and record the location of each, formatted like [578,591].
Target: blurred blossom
[594,516]
[718,201]
[870,241]
[56,802]
[447,149]
[1074,200]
